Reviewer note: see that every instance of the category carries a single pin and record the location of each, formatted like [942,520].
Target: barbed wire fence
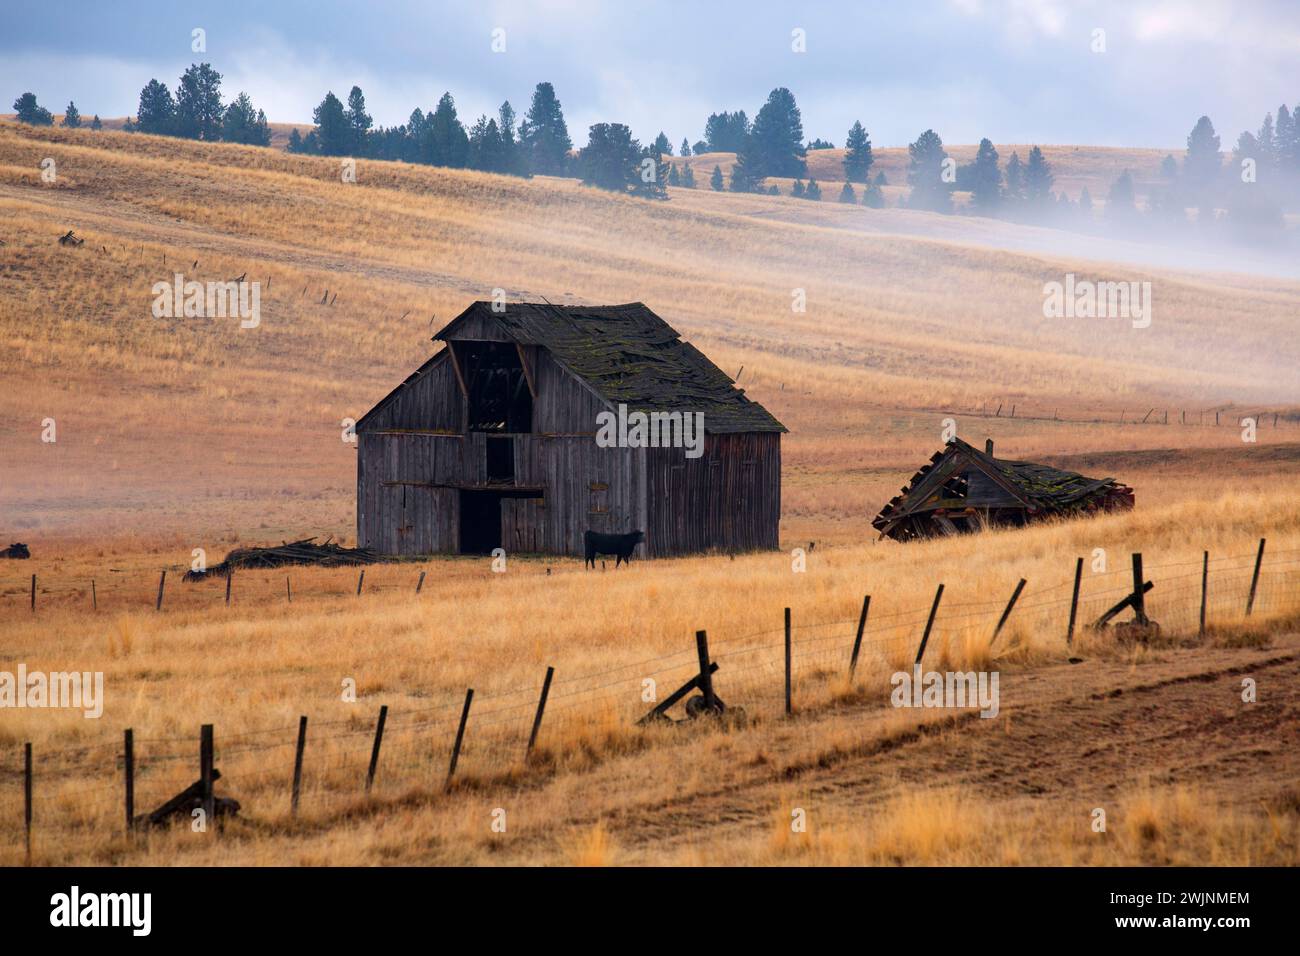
[318,771]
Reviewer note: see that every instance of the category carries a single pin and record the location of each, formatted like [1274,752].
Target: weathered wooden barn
[964,489]
[492,442]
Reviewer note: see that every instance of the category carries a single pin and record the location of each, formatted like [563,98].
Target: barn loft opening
[499,399]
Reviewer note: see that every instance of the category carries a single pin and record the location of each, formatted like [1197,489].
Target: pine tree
[743,177]
[611,159]
[295,141]
[1202,164]
[1169,168]
[925,174]
[688,177]
[774,146]
[986,178]
[1038,180]
[1120,205]
[1287,138]
[797,189]
[96,123]
[873,197]
[1015,190]
[445,141]
[716,179]
[30,112]
[71,118]
[544,134]
[857,155]
[685,148]
[157,110]
[333,133]
[847,194]
[674,178]
[359,122]
[813,192]
[243,124]
[661,145]
[198,103]
[724,133]
[1266,141]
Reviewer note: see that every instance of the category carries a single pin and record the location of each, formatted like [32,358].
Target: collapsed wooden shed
[964,489]
[492,442]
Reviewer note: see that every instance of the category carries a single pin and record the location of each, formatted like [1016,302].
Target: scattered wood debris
[306,551]
[70,238]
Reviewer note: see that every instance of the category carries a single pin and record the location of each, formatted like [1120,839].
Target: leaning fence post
[789,703]
[162,579]
[1205,588]
[460,736]
[1015,596]
[360,579]
[128,763]
[205,774]
[857,641]
[420,583]
[230,573]
[541,706]
[297,765]
[1139,590]
[288,591]
[374,751]
[1254,578]
[925,638]
[1074,603]
[706,677]
[27,797]
[94,598]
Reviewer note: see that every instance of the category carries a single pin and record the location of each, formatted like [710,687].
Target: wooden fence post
[1074,603]
[360,580]
[128,763]
[1205,588]
[1139,591]
[925,638]
[706,676]
[541,706]
[420,583]
[94,598]
[460,736]
[162,579]
[1254,578]
[230,573]
[288,590]
[789,702]
[33,593]
[1015,596]
[27,797]
[297,765]
[205,774]
[857,641]
[374,751]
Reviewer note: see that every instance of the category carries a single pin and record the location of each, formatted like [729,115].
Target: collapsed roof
[630,356]
[962,489]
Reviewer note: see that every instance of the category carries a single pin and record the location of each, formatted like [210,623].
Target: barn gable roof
[628,355]
[1038,488]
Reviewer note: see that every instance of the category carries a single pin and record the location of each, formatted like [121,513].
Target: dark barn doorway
[481,518]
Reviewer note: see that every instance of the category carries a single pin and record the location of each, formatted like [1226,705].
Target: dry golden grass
[177,434]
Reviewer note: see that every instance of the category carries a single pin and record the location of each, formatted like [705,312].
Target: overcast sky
[1012,70]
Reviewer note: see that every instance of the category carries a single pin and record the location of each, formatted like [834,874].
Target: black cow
[620,545]
[18,551]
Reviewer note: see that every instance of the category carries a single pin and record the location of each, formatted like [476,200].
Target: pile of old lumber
[306,551]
